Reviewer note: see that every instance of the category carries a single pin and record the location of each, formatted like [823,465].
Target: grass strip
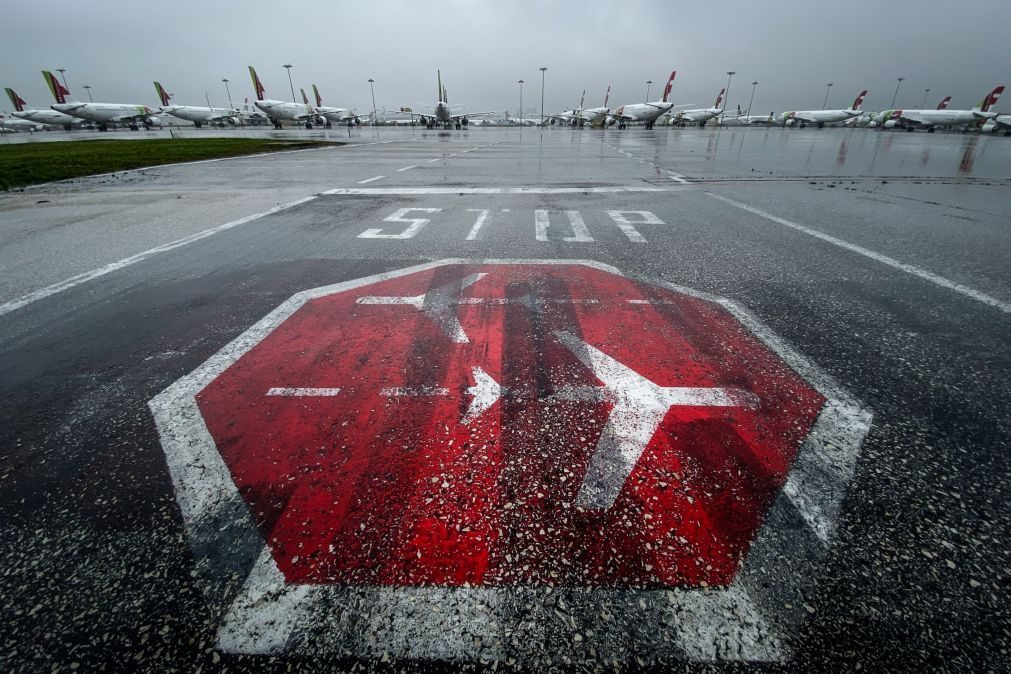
[24,164]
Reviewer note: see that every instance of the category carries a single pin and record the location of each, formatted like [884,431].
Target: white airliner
[280,111]
[998,123]
[330,114]
[873,119]
[573,117]
[15,124]
[100,113]
[597,116]
[38,116]
[196,114]
[702,115]
[802,118]
[932,119]
[646,113]
[443,112]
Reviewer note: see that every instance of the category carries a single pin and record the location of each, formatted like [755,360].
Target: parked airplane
[749,120]
[329,114]
[40,116]
[443,113]
[8,124]
[279,111]
[873,119]
[573,117]
[196,114]
[647,113]
[822,117]
[702,115]
[101,113]
[597,116]
[932,119]
[252,116]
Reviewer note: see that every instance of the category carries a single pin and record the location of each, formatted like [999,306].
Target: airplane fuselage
[818,116]
[284,110]
[47,117]
[334,114]
[700,116]
[192,113]
[935,118]
[106,112]
[14,124]
[643,112]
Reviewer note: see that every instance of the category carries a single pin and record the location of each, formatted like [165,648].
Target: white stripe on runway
[878,257]
[73,281]
[369,180]
[407,168]
[497,190]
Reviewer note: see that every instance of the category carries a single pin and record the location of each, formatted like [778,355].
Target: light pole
[288,67]
[225,80]
[543,70]
[754,85]
[730,75]
[374,120]
[521,105]
[923,105]
[62,72]
[828,88]
[896,94]
[87,87]
[649,83]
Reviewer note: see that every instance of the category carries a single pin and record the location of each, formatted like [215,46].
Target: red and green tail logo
[16,100]
[57,89]
[319,101]
[257,84]
[163,95]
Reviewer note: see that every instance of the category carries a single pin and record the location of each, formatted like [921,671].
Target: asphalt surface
[878,260]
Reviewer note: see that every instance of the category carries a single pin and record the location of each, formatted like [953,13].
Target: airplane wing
[471,114]
[128,119]
[914,119]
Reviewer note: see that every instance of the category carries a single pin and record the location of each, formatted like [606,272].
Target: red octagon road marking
[509,425]
[495,460]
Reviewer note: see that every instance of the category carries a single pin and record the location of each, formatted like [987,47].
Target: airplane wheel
[821,125]
[308,125]
[930,130]
[909,129]
[329,125]
[197,124]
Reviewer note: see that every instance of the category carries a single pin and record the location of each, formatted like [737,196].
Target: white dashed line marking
[407,168]
[368,180]
[878,257]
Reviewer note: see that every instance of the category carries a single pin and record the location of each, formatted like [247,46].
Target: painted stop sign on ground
[509,424]
[508,428]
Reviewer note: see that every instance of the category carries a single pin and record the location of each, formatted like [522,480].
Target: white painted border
[741,622]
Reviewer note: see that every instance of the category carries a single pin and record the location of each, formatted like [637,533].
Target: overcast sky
[793,49]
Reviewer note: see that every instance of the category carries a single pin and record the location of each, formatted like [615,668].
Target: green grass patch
[32,163]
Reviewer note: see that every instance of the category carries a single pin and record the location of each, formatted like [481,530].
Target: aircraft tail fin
[607,95]
[16,101]
[991,99]
[319,100]
[719,98]
[582,99]
[164,96]
[670,85]
[943,105]
[56,87]
[859,100]
[305,99]
[442,92]
[257,84]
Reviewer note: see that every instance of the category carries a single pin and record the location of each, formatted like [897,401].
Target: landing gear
[102,126]
[821,125]
[329,125]
[930,129]
[134,127]
[909,129]
[308,125]
[198,124]
[277,124]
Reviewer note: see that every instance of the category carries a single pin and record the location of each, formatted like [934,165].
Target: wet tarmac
[873,266]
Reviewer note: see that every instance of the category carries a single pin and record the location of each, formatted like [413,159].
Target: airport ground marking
[919,272]
[369,180]
[269,615]
[415,225]
[407,168]
[412,191]
[481,218]
[77,280]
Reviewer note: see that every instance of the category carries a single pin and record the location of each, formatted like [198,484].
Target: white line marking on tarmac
[431,161]
[367,181]
[407,191]
[407,168]
[472,235]
[73,281]
[677,177]
[878,257]
[300,392]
